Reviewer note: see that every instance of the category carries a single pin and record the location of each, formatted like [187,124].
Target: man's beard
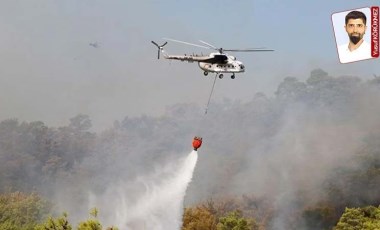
[355,39]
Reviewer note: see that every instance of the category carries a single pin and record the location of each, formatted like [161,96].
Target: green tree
[317,76]
[92,223]
[22,211]
[320,216]
[80,122]
[60,223]
[360,218]
[198,218]
[291,89]
[235,221]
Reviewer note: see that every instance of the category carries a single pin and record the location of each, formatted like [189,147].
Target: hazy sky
[49,72]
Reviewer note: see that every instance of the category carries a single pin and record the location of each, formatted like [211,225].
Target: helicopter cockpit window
[241,66]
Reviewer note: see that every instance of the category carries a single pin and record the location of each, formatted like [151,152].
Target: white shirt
[361,53]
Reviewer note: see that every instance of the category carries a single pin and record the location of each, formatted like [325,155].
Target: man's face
[355,29]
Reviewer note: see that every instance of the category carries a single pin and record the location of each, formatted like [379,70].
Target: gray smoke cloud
[286,149]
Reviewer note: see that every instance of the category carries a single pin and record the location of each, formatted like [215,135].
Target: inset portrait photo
[352,29]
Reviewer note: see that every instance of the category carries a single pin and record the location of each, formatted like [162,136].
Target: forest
[307,157]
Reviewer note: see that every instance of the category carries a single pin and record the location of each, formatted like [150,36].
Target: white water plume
[160,206]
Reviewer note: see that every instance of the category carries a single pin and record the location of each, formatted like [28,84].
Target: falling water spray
[160,206]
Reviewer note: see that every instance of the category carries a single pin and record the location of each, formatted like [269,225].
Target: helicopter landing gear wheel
[205,73]
[233,76]
[220,76]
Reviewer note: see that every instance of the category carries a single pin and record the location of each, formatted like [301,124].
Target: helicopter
[94,44]
[216,62]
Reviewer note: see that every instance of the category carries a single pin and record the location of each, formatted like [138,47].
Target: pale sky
[50,73]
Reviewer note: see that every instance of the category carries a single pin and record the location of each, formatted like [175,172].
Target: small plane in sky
[94,44]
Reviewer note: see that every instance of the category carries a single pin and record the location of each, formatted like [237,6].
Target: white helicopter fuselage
[230,66]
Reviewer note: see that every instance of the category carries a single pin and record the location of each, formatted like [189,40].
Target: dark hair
[355,15]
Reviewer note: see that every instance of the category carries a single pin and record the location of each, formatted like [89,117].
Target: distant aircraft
[95,44]
[218,63]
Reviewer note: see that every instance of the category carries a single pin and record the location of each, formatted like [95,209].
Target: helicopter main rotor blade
[187,43]
[247,50]
[208,44]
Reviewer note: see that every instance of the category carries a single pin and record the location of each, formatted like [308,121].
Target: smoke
[287,149]
[290,148]
[153,201]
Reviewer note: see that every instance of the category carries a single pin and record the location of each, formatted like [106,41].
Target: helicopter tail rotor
[160,48]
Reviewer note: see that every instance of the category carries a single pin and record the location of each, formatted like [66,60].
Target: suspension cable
[212,90]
